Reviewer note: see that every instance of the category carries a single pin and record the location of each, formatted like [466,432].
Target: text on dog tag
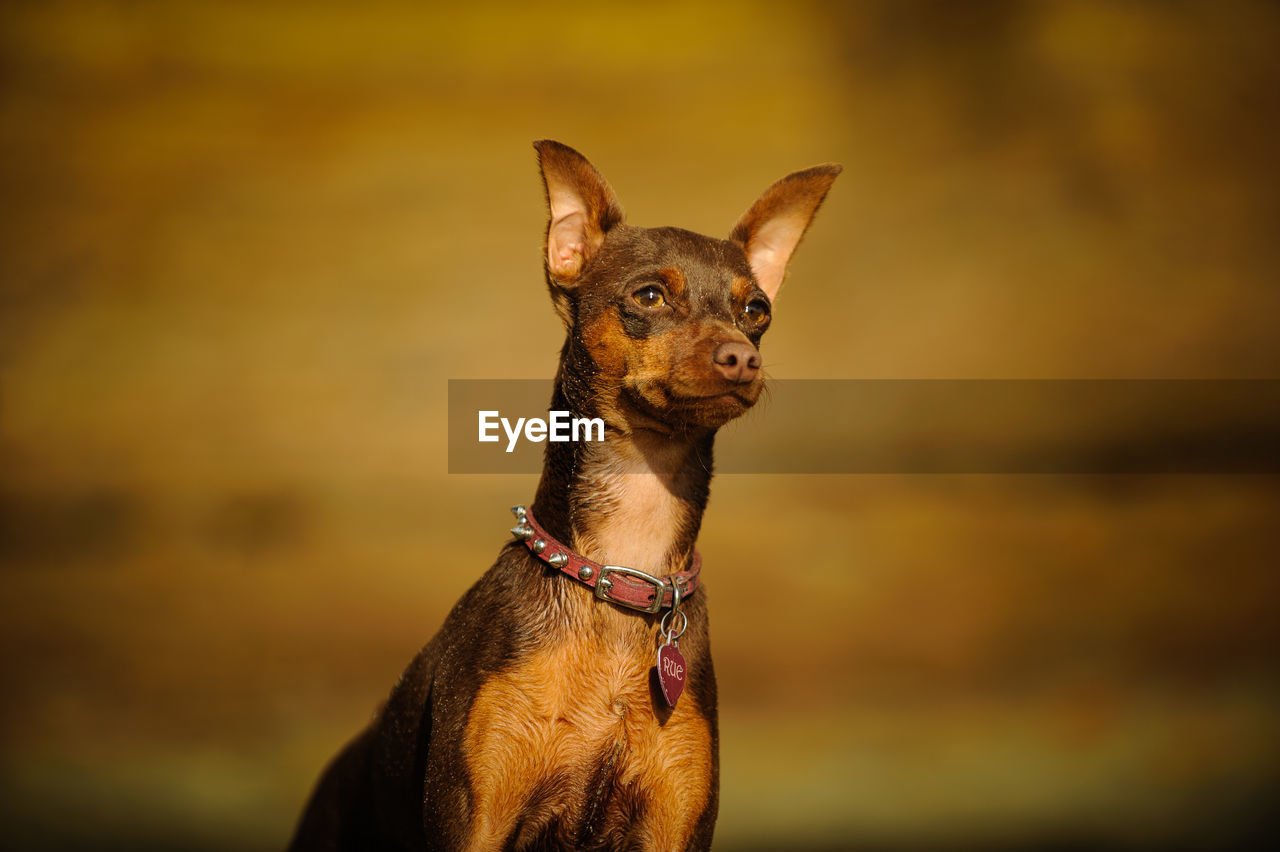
[671,673]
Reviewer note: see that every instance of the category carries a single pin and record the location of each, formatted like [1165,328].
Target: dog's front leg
[489,830]
[678,775]
[510,747]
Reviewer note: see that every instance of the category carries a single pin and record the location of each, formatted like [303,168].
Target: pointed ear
[772,228]
[581,210]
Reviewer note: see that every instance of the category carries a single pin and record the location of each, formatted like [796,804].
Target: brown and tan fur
[531,721]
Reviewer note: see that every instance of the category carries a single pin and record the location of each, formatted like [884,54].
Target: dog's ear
[772,228]
[581,208]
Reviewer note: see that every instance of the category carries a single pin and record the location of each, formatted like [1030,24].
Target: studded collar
[617,584]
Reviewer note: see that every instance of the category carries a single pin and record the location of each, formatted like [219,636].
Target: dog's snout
[737,361]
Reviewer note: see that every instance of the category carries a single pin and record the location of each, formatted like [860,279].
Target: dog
[537,718]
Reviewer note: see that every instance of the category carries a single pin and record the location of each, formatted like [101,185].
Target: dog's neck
[635,502]
[634,499]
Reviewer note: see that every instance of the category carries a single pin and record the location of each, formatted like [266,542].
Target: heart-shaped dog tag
[671,673]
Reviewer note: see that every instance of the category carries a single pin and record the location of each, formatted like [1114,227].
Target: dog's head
[665,323]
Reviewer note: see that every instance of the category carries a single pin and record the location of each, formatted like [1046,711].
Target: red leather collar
[614,583]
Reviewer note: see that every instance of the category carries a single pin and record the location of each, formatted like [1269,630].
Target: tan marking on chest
[557,717]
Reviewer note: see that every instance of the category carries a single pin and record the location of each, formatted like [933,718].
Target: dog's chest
[568,742]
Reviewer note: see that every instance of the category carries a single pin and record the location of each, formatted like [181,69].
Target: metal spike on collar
[559,560]
[522,531]
[519,512]
[539,546]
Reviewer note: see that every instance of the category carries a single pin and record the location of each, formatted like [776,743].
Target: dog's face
[655,307]
[669,320]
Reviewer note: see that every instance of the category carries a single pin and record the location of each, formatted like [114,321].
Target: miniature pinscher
[537,718]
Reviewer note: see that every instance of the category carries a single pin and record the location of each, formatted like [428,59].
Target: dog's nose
[737,362]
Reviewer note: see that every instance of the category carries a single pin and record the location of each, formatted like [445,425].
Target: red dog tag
[671,673]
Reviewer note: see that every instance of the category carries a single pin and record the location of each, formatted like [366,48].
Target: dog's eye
[757,311]
[649,297]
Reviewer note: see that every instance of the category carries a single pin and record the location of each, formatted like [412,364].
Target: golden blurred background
[245,245]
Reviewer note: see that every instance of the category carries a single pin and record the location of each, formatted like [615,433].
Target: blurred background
[245,245]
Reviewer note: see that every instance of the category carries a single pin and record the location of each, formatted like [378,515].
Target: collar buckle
[604,584]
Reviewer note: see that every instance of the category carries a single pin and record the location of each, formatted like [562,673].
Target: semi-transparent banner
[921,426]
